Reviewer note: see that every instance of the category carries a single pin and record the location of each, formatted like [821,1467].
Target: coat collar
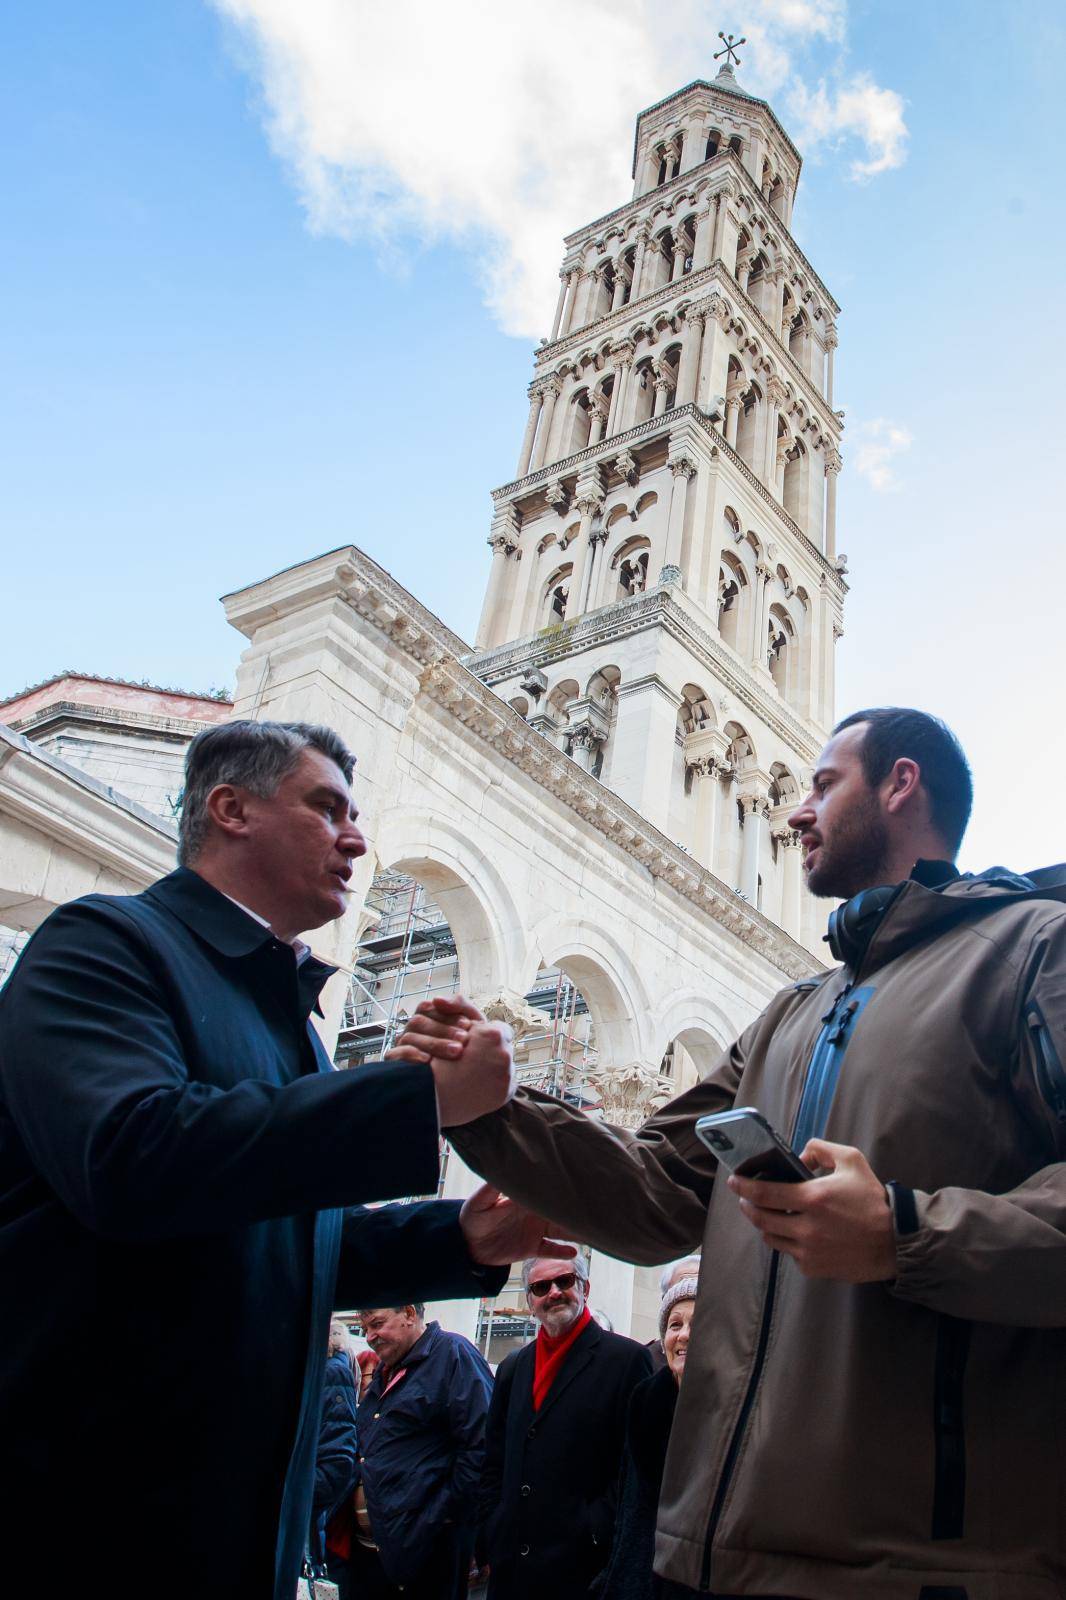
[578,1357]
[213,917]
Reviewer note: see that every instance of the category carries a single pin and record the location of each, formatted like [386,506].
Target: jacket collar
[578,1357]
[213,917]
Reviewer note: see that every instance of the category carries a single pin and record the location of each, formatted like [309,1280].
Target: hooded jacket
[898,1440]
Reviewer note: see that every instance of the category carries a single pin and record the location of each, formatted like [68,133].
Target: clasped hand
[838,1226]
[472,1060]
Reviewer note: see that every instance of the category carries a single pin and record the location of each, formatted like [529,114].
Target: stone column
[780,462]
[503,541]
[643,746]
[651,260]
[678,268]
[791,858]
[588,502]
[712,352]
[540,450]
[536,400]
[684,470]
[708,770]
[638,263]
[694,147]
[833,464]
[755,809]
[775,393]
[732,418]
[706,232]
[623,355]
[662,386]
[831,343]
[564,285]
[598,408]
[618,298]
[743,272]
[689,365]
[764,573]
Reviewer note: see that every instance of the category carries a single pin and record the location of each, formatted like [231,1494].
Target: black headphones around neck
[853,924]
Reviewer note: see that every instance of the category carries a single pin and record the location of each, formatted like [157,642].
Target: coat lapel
[578,1358]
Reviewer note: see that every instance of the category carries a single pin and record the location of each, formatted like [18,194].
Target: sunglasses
[543,1286]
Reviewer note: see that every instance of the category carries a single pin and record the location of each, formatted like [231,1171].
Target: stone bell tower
[665,594]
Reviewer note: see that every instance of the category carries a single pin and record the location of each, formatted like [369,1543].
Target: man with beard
[867,1402]
[553,1444]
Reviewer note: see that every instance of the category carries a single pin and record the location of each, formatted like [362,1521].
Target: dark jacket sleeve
[602,1507]
[468,1408]
[491,1488]
[399,1255]
[93,1074]
[337,1449]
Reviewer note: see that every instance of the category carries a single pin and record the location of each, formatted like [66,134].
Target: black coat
[629,1575]
[550,1479]
[421,1449]
[174,1153]
[338,1451]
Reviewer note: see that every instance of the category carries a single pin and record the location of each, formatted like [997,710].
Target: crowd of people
[433,1477]
[861,1393]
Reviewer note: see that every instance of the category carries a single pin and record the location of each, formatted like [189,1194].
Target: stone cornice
[655,609]
[684,180]
[716,273]
[77,711]
[77,811]
[607,449]
[472,703]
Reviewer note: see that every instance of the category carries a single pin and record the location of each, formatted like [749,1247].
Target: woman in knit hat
[629,1574]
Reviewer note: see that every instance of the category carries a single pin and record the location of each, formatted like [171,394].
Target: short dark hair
[896,732]
[254,755]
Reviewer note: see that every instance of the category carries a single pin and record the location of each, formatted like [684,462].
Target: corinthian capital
[682,467]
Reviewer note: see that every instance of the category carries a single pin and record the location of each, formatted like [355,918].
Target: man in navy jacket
[421,1427]
[178,1168]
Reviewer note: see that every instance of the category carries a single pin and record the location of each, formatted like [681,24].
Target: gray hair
[251,755]
[579,1266]
[671,1267]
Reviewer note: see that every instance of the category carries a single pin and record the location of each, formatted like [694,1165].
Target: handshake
[472,1060]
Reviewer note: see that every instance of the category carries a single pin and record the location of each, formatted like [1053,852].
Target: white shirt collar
[300,950]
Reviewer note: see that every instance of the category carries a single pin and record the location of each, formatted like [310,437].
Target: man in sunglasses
[553,1443]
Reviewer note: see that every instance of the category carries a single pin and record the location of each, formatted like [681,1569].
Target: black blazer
[550,1478]
[174,1153]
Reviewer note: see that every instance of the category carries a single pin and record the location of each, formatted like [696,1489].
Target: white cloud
[880,442]
[858,109]
[505,127]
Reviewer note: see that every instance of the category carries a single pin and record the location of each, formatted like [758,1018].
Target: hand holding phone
[745,1143]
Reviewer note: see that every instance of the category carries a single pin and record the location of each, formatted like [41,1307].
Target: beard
[560,1318]
[854,856]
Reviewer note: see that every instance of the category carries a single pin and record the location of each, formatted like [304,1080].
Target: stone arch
[645,503]
[555,594]
[562,694]
[519,703]
[616,514]
[608,979]
[630,565]
[469,888]
[741,751]
[701,1025]
[781,648]
[748,419]
[732,582]
[795,482]
[696,711]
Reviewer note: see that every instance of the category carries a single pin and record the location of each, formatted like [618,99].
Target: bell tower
[665,594]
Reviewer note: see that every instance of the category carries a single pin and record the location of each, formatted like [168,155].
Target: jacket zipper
[949,1471]
[1050,1074]
[823,1071]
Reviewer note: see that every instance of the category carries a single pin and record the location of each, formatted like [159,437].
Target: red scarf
[550,1355]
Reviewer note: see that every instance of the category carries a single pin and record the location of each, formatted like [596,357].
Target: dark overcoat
[549,1486]
[421,1451]
[176,1160]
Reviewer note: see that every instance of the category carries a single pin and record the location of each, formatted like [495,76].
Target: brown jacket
[897,1441]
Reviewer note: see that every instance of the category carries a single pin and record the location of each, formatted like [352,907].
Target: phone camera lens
[720,1141]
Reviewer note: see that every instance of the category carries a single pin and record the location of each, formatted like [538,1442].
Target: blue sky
[240,327]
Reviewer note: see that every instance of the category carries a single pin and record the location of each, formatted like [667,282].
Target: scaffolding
[408,955]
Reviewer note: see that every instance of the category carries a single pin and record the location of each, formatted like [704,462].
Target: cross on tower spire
[730,52]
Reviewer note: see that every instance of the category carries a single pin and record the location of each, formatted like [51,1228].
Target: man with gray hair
[553,1443]
[182,1182]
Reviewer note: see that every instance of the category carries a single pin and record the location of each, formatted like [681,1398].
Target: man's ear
[227,806]
[902,785]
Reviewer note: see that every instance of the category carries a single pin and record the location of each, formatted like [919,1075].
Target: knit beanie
[684,1289]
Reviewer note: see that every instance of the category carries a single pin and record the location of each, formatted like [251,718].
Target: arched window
[747,429]
[795,483]
[580,422]
[731,582]
[644,393]
[556,593]
[780,637]
[714,139]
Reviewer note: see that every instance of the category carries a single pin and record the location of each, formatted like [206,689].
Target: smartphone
[744,1142]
